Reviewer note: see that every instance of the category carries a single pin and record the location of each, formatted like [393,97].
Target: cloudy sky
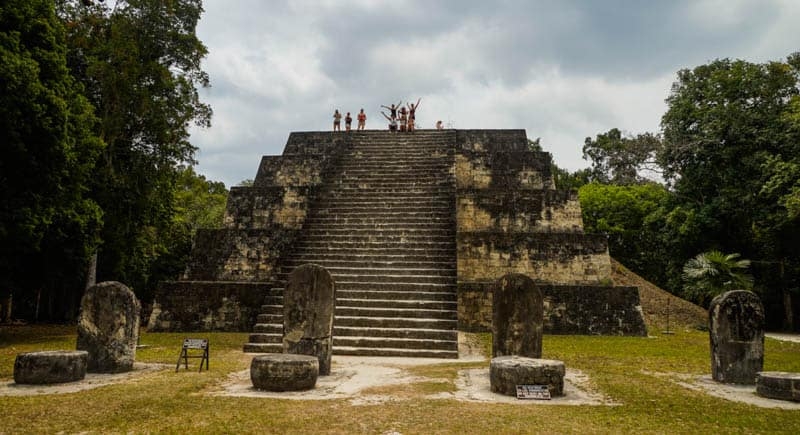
[562,70]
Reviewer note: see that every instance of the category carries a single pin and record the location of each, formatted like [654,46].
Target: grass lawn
[619,367]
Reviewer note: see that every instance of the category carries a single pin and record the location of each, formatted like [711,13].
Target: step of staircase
[396,343]
[381,351]
[263,348]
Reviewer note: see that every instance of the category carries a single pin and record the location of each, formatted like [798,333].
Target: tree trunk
[91,271]
[38,300]
[9,301]
[788,313]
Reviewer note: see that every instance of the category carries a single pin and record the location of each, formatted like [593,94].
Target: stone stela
[108,327]
[517,310]
[736,332]
[308,306]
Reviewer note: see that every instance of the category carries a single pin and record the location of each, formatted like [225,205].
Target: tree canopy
[729,155]
[96,101]
[622,159]
[139,61]
[48,222]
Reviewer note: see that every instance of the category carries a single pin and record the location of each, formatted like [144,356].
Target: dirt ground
[92,380]
[734,393]
[351,376]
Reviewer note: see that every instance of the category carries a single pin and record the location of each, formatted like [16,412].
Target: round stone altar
[50,367]
[284,372]
[506,372]
[778,385]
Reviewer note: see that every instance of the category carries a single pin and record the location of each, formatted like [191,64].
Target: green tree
[731,138]
[139,61]
[48,224]
[621,159]
[712,273]
[199,203]
[633,217]
[566,180]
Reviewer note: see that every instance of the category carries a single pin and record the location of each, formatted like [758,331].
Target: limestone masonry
[414,228]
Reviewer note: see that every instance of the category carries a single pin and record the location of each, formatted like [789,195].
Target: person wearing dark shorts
[348,121]
[392,122]
[393,110]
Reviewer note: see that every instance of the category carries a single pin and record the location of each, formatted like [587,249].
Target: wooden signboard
[533,392]
[199,348]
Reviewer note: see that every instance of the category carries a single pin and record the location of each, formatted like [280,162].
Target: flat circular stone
[778,385]
[506,372]
[284,372]
[50,367]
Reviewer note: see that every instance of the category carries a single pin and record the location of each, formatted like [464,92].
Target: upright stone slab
[308,304]
[736,330]
[517,312]
[108,327]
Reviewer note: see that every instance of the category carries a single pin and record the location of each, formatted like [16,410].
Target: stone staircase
[384,227]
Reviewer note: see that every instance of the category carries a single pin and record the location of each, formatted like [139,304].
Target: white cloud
[562,71]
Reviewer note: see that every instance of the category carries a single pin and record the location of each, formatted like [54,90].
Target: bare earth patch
[369,381]
[794,338]
[734,393]
[473,386]
[91,381]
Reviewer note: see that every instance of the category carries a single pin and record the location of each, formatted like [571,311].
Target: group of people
[408,114]
[401,118]
[348,120]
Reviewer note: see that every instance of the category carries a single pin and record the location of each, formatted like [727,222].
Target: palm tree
[711,273]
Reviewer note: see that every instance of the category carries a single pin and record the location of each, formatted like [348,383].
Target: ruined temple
[414,228]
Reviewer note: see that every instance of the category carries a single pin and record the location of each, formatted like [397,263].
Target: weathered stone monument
[517,312]
[778,385]
[506,372]
[284,372]
[50,367]
[308,304]
[736,331]
[108,327]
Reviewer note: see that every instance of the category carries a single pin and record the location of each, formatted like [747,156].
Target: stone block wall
[535,210]
[564,258]
[206,306]
[568,309]
[261,222]
[262,207]
[237,255]
[510,219]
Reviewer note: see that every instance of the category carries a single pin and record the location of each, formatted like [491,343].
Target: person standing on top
[362,119]
[403,119]
[392,122]
[337,120]
[393,110]
[412,112]
[348,120]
